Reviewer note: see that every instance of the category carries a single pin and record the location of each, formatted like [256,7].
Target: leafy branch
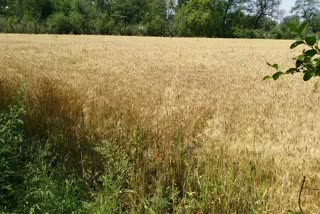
[308,62]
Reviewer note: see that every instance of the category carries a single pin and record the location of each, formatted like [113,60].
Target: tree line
[184,18]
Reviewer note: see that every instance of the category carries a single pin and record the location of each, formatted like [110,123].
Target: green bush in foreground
[11,155]
[308,62]
[34,179]
[30,182]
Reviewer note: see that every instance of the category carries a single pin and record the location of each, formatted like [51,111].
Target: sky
[286,5]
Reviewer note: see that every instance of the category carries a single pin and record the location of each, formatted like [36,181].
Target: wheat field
[209,91]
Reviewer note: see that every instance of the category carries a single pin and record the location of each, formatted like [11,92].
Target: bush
[248,33]
[11,155]
[101,25]
[77,22]
[32,180]
[59,23]
[47,188]
[156,26]
[10,24]
[114,180]
[2,24]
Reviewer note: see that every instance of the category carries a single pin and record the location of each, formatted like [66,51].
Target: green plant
[11,140]
[308,62]
[59,23]
[114,180]
[32,179]
[46,187]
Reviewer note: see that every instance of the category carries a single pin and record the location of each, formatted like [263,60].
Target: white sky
[286,5]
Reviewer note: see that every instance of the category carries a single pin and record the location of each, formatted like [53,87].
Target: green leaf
[302,28]
[301,57]
[291,71]
[298,63]
[311,53]
[276,66]
[317,71]
[311,40]
[267,78]
[317,60]
[308,75]
[297,43]
[310,67]
[277,75]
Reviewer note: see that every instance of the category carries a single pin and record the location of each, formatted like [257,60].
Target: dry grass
[209,91]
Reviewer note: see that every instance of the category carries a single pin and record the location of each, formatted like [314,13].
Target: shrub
[2,24]
[11,155]
[32,180]
[77,22]
[114,180]
[101,25]
[59,23]
[308,62]
[10,24]
[248,33]
[156,26]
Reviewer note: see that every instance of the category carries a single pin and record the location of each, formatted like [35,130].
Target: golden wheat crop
[211,90]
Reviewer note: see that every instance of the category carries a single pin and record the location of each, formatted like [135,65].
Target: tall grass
[40,176]
[149,125]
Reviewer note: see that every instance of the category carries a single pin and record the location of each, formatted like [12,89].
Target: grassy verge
[60,174]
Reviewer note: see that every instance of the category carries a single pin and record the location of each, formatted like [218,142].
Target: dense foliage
[205,18]
[308,62]
[31,179]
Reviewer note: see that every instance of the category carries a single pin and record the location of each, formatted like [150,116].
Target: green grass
[58,174]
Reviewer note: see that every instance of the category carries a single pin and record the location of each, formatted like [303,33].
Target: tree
[306,9]
[101,5]
[62,6]
[263,8]
[230,6]
[309,11]
[59,23]
[13,8]
[128,11]
[155,19]
[3,7]
[197,18]
[39,9]
[284,29]
[205,18]
[180,3]
[315,22]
